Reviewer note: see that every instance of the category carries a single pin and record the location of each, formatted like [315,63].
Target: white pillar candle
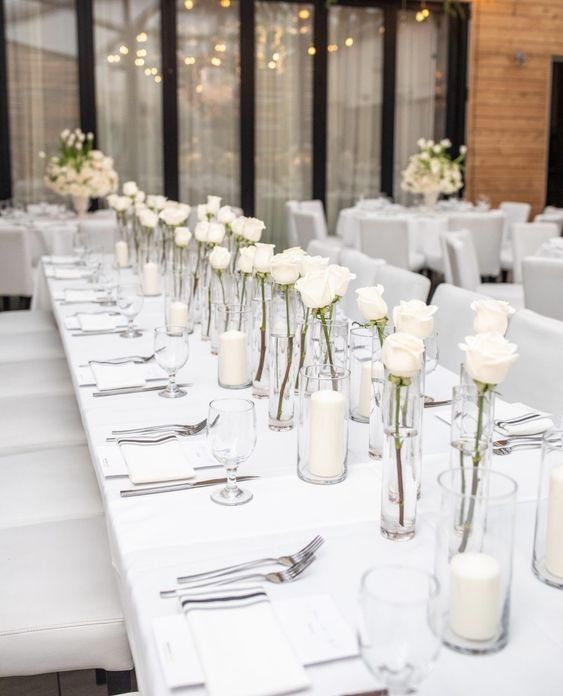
[475,592]
[554,531]
[233,359]
[151,279]
[327,433]
[121,254]
[178,314]
[369,371]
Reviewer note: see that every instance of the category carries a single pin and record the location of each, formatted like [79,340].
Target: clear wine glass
[171,351]
[401,625]
[130,302]
[109,280]
[231,434]
[80,245]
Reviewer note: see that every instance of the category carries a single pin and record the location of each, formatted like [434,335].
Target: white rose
[226,215]
[139,207]
[173,216]
[148,218]
[201,231]
[308,264]
[296,250]
[111,199]
[488,357]
[213,204]
[130,188]
[156,202]
[216,233]
[371,303]
[182,236]
[245,261]
[414,317]
[402,354]
[121,204]
[252,229]
[220,258]
[202,212]
[340,277]
[237,225]
[491,316]
[316,289]
[263,257]
[284,269]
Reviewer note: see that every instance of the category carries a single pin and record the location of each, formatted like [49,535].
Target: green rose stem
[399,382]
[220,276]
[289,353]
[258,377]
[209,307]
[328,348]
[482,389]
[242,294]
[303,347]
[196,272]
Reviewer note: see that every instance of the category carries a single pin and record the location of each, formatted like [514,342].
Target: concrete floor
[67,684]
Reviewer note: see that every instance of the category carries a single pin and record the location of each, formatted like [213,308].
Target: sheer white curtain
[208,100]
[420,88]
[284,70]
[355,65]
[42,87]
[129,88]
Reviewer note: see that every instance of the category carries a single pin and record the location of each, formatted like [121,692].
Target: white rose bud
[245,260]
[263,257]
[371,303]
[148,219]
[284,270]
[213,204]
[297,250]
[156,202]
[415,317]
[202,211]
[111,199]
[140,197]
[402,354]
[488,357]
[491,316]
[182,237]
[237,225]
[201,231]
[122,203]
[308,264]
[130,188]
[173,216]
[216,233]
[316,289]
[220,258]
[340,277]
[225,215]
[252,230]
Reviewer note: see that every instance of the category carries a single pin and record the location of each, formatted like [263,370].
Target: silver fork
[277,577]
[288,561]
[177,428]
[515,447]
[519,419]
[145,441]
[139,359]
[517,439]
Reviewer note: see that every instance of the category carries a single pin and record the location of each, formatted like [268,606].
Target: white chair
[428,233]
[100,232]
[20,347]
[555,217]
[543,286]
[325,248]
[365,268]
[487,232]
[15,262]
[308,226]
[312,206]
[389,239]
[463,267]
[401,284]
[514,214]
[536,378]
[35,377]
[26,321]
[527,239]
[453,322]
[39,422]
[58,601]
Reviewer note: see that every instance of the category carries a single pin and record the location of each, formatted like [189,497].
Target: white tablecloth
[155,538]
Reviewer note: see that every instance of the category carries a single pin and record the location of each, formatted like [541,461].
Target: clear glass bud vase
[327,342]
[401,408]
[205,299]
[123,243]
[222,293]
[472,424]
[178,305]
[261,339]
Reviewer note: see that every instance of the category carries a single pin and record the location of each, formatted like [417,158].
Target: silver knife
[132,492]
[435,404]
[101,332]
[133,390]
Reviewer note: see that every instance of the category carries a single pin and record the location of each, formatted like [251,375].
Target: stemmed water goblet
[109,280]
[130,302]
[80,245]
[231,434]
[171,351]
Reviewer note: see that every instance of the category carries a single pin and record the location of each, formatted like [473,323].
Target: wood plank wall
[508,107]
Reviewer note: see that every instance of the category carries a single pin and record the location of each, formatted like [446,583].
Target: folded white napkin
[80,295]
[241,646]
[507,411]
[65,260]
[69,273]
[98,322]
[165,461]
[118,376]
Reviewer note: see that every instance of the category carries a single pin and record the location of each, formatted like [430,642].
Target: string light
[349,41]
[189,4]
[332,48]
[139,62]
[220,47]
[114,58]
[311,50]
[304,30]
[199,89]
[157,78]
[123,50]
[272,65]
[189,60]
[142,37]
[141,52]
[276,56]
[225,3]
[216,61]
[303,14]
[154,71]
[148,72]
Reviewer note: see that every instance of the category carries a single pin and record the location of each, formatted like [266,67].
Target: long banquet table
[155,538]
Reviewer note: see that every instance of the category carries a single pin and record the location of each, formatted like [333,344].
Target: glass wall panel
[129,88]
[420,88]
[284,91]
[355,69]
[42,87]
[208,99]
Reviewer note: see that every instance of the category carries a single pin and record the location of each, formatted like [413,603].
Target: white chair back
[487,232]
[453,322]
[15,262]
[365,268]
[536,378]
[555,217]
[527,238]
[313,206]
[514,214]
[101,233]
[308,226]
[401,284]
[385,238]
[462,268]
[543,286]
[325,248]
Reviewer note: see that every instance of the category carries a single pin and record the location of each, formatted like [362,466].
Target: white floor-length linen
[155,538]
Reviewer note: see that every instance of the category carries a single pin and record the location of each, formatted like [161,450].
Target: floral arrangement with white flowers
[79,170]
[432,169]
